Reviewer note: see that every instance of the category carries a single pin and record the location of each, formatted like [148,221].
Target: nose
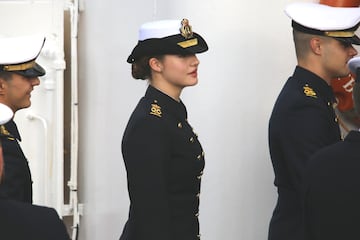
[353,51]
[35,81]
[194,60]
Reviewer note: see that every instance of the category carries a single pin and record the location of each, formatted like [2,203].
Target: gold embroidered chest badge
[155,110]
[186,30]
[309,91]
[4,131]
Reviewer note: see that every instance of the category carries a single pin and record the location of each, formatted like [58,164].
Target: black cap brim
[352,40]
[35,71]
[167,45]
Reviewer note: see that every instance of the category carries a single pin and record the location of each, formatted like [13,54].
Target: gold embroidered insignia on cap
[186,30]
[309,91]
[155,110]
[4,131]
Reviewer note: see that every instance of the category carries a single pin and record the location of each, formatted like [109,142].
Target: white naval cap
[5,114]
[18,55]
[319,19]
[167,37]
[159,29]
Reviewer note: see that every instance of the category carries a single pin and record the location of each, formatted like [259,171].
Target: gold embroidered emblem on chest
[309,91]
[4,131]
[155,110]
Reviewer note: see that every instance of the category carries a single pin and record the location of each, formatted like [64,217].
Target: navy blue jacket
[16,183]
[164,162]
[24,221]
[332,197]
[302,122]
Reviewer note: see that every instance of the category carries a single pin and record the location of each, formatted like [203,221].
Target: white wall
[251,55]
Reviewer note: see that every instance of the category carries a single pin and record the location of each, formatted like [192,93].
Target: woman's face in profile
[180,70]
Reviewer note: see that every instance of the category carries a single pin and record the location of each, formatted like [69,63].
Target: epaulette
[155,109]
[309,92]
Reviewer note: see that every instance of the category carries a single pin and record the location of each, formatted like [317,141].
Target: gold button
[179,125]
[199,157]
[192,139]
[197,214]
[155,101]
[198,195]
[199,177]
[336,119]
[329,103]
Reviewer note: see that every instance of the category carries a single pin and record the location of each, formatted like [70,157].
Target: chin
[192,83]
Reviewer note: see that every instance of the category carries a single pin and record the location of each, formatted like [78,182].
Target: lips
[193,73]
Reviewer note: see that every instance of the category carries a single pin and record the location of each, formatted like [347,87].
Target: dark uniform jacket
[16,183]
[302,122]
[24,221]
[164,162]
[332,200]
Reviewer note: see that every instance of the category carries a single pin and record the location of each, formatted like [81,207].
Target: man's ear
[2,86]
[316,45]
[155,64]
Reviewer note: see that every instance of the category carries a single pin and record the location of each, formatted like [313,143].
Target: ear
[155,64]
[2,86]
[316,45]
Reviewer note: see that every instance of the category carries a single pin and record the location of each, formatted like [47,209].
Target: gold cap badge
[186,30]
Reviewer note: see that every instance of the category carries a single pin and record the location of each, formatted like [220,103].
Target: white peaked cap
[14,50]
[159,29]
[167,37]
[5,114]
[323,17]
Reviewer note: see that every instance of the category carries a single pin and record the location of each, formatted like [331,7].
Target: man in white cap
[303,119]
[18,76]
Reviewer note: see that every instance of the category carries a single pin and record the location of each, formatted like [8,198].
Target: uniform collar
[167,103]
[319,85]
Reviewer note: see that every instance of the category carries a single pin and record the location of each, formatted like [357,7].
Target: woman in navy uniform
[163,157]
[24,221]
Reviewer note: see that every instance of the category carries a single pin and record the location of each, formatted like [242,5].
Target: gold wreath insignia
[186,30]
